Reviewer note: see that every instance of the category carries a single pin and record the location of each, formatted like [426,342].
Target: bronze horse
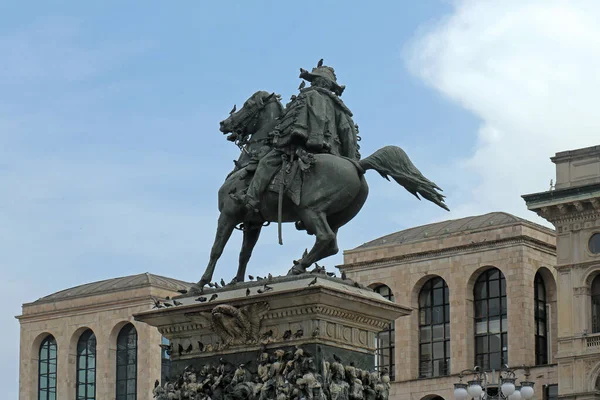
[334,189]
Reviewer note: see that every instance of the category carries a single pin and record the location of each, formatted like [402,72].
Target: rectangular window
[551,392]
[165,367]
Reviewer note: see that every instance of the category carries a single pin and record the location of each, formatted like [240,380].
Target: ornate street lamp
[484,388]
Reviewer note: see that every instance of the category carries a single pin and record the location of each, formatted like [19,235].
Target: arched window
[594,243]
[165,357]
[491,337]
[86,366]
[47,369]
[385,340]
[434,329]
[127,363]
[541,326]
[596,304]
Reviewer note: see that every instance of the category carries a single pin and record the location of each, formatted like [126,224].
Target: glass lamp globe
[527,390]
[460,391]
[475,390]
[508,386]
[516,395]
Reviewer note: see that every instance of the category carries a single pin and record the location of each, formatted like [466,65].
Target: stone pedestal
[328,318]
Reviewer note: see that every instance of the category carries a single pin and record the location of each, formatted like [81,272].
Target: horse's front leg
[224,229]
[251,234]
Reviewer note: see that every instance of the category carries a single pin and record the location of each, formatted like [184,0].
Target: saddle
[291,176]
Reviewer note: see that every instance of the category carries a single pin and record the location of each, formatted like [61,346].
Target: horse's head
[246,120]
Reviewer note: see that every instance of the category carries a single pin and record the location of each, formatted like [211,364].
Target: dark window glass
[165,370]
[47,369]
[434,332]
[551,392]
[491,344]
[541,325]
[594,243]
[385,340]
[86,366]
[127,363]
[596,304]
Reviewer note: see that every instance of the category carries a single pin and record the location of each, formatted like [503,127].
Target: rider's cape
[320,121]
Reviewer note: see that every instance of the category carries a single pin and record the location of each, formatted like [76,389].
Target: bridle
[242,139]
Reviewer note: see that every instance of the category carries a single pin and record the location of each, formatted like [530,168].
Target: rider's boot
[250,204]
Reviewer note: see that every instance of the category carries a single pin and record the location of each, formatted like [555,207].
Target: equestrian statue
[302,164]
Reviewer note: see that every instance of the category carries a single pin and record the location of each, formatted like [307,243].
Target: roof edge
[453,250]
[518,221]
[569,155]
[148,283]
[560,194]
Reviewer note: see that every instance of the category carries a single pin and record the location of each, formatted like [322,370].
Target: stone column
[65,369]
[104,364]
[27,374]
[407,348]
[520,310]
[461,325]
[148,359]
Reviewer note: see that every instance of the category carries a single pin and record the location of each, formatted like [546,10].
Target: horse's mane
[262,95]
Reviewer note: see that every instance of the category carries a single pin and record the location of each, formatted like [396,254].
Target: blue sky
[110,154]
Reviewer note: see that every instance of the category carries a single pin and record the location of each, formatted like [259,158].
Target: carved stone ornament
[284,375]
[234,325]
[582,290]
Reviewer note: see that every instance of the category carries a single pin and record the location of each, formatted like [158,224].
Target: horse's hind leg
[224,230]
[251,234]
[325,242]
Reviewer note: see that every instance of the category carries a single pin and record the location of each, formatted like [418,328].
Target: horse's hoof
[196,290]
[203,282]
[296,270]
[300,226]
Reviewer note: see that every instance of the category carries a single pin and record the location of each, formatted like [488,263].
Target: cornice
[585,264]
[322,310]
[578,154]
[312,310]
[573,211]
[560,194]
[449,251]
[177,328]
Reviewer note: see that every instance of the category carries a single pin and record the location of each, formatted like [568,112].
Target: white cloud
[531,71]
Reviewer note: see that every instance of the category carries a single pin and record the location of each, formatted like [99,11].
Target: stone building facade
[52,364]
[573,207]
[485,290]
[474,285]
[447,258]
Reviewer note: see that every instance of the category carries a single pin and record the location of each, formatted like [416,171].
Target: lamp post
[484,386]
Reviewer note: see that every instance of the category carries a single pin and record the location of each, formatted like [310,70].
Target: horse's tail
[393,161]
